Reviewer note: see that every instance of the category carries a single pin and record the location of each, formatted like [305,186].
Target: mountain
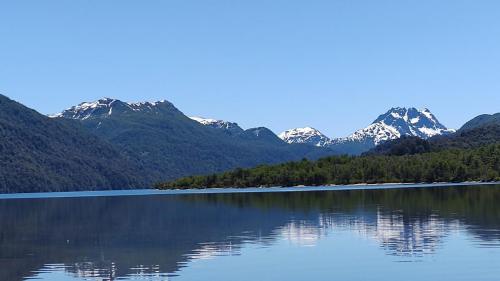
[260,134]
[481,120]
[264,136]
[398,122]
[38,154]
[230,128]
[306,135]
[393,124]
[473,134]
[173,145]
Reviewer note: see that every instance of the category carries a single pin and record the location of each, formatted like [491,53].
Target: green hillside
[42,154]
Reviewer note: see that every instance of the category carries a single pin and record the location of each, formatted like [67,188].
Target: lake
[401,233]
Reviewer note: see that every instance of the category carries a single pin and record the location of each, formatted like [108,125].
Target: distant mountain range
[112,144]
[173,145]
[393,124]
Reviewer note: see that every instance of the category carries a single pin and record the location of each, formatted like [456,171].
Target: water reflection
[153,237]
[393,233]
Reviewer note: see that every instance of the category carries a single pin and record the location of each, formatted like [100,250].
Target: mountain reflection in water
[156,236]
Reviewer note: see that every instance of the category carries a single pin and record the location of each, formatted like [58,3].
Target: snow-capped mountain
[229,127]
[398,122]
[393,124]
[306,135]
[106,107]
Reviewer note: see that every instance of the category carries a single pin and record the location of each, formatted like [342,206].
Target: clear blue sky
[333,65]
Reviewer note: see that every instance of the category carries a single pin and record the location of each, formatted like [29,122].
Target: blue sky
[333,65]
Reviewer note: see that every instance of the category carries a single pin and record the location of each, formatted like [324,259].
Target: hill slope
[482,120]
[42,154]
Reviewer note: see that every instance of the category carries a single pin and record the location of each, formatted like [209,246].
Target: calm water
[437,233]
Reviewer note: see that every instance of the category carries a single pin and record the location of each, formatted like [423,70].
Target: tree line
[451,165]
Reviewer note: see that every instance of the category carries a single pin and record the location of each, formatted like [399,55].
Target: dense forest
[450,165]
[39,154]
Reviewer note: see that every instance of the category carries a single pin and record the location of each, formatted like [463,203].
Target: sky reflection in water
[427,233]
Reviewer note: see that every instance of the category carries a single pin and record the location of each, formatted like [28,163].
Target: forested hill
[42,154]
[452,165]
[482,120]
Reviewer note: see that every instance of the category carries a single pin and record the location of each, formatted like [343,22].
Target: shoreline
[329,187]
[232,190]
[339,186]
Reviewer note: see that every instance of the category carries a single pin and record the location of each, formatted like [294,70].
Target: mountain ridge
[230,128]
[175,145]
[395,123]
[109,143]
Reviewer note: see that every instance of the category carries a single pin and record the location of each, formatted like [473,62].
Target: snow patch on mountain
[306,135]
[105,107]
[206,121]
[377,132]
[229,127]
